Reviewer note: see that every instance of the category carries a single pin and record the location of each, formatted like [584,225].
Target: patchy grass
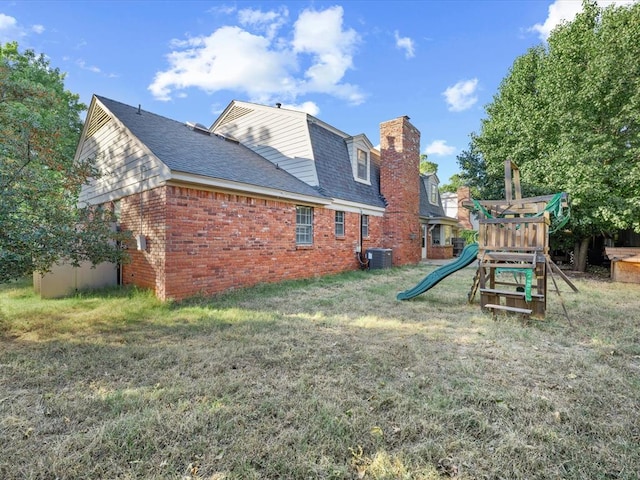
[321,379]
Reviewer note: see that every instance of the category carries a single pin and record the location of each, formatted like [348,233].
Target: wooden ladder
[524,311]
[491,295]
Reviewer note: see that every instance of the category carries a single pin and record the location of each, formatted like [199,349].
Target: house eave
[355,207]
[441,220]
[181,178]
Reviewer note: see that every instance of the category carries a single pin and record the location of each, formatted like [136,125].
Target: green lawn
[323,379]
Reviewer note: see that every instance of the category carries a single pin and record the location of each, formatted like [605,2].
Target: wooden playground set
[513,249]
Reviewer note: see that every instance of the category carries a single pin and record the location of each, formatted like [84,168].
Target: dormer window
[433,196]
[359,148]
[431,182]
[363,165]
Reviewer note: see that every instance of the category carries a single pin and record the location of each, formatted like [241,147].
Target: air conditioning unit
[379,258]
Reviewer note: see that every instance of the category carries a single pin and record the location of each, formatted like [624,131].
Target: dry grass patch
[329,378]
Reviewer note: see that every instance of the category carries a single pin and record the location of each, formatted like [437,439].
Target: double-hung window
[363,165]
[436,235]
[339,224]
[304,225]
[364,226]
[433,198]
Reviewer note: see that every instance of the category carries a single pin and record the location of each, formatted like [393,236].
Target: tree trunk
[580,255]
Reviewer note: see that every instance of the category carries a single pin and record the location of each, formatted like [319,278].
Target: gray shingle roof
[335,175]
[427,209]
[185,150]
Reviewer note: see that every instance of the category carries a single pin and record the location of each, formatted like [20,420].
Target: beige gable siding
[280,136]
[127,167]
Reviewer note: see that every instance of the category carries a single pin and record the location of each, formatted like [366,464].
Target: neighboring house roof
[428,209]
[188,150]
[335,174]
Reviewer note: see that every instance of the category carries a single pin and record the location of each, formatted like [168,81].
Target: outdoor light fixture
[141,242]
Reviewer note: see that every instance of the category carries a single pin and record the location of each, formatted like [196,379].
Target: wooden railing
[514,234]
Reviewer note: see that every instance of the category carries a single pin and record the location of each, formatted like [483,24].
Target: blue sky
[353,64]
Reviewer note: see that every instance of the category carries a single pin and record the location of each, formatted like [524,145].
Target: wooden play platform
[513,249]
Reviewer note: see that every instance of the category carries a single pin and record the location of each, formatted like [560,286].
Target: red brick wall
[147,267]
[439,252]
[216,241]
[399,174]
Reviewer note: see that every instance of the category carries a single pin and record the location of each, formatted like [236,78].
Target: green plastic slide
[466,258]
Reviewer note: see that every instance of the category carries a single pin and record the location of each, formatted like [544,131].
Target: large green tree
[40,124]
[473,173]
[426,165]
[568,113]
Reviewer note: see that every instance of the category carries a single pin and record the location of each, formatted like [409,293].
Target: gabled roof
[187,150]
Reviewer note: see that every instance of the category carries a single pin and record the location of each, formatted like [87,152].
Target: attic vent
[99,118]
[228,138]
[198,127]
[235,113]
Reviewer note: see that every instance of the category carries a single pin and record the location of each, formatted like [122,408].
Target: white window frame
[441,234]
[359,148]
[436,235]
[117,210]
[433,194]
[362,163]
[304,225]
[339,223]
[364,226]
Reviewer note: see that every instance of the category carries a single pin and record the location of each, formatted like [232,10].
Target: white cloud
[307,107]
[461,96]
[83,65]
[439,148]
[254,59]
[9,29]
[268,22]
[562,11]
[405,43]
[230,58]
[7,22]
[320,34]
[222,10]
[92,68]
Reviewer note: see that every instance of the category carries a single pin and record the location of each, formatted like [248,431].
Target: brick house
[265,194]
[438,229]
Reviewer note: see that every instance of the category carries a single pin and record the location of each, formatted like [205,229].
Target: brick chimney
[399,183]
[464,215]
